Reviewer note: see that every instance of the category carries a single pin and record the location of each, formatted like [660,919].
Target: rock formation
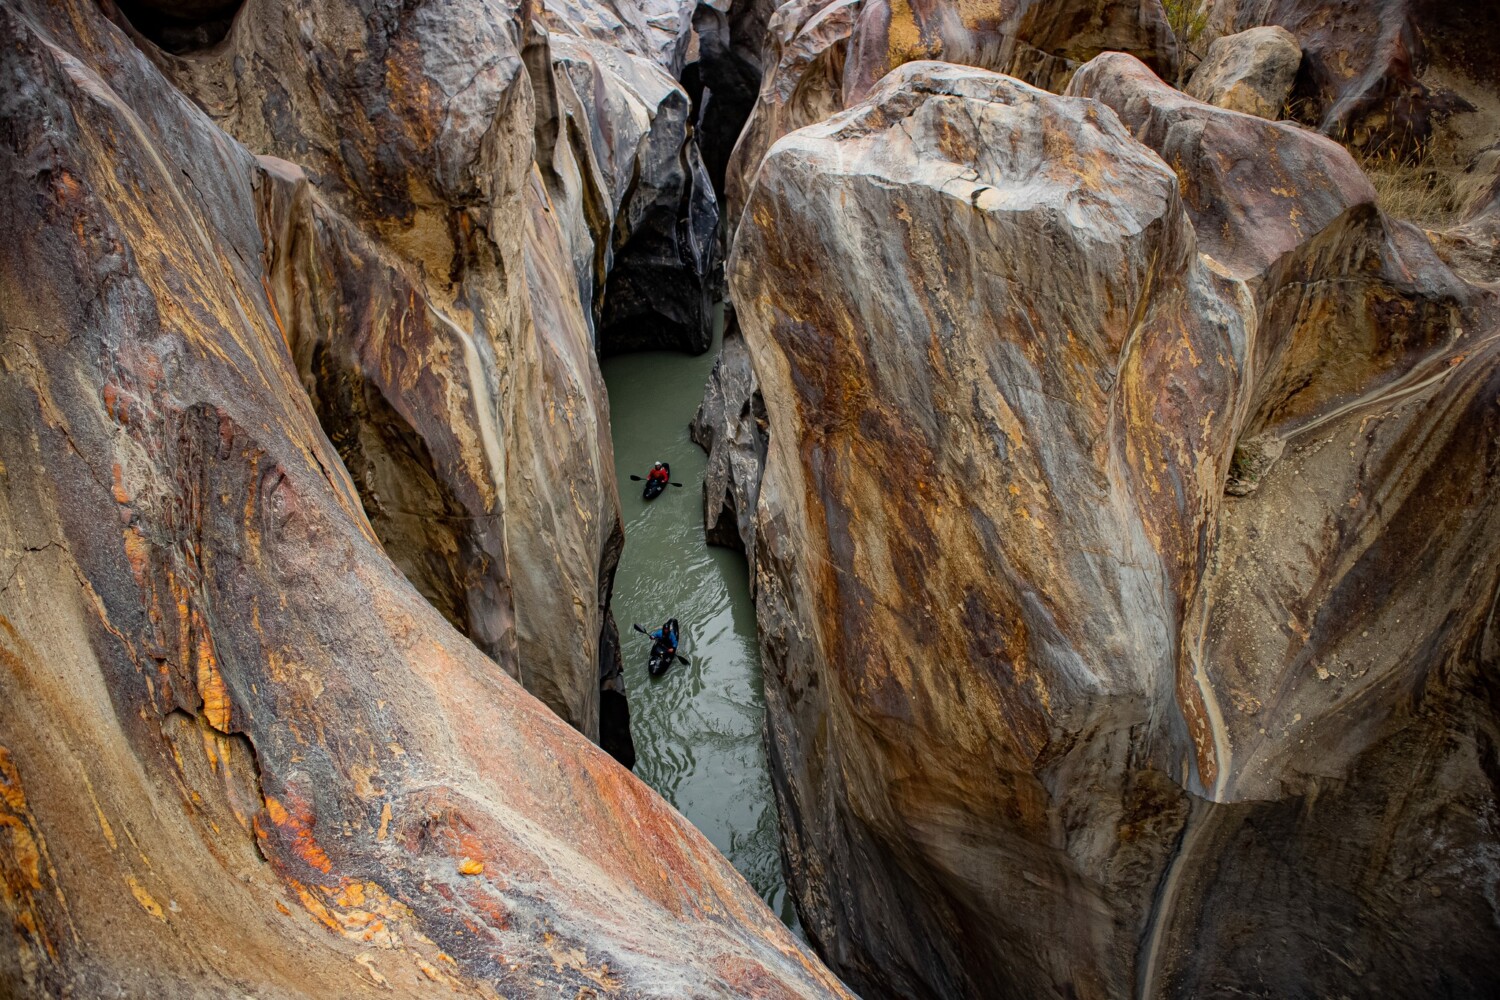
[820,56]
[1252,71]
[823,55]
[439,170]
[1126,550]
[1363,64]
[242,752]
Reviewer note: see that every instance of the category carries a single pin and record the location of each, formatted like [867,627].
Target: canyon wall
[299,397]
[1125,545]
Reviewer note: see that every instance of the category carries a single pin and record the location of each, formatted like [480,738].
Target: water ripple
[698,729]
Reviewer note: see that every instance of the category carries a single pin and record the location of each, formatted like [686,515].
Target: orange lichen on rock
[295,830]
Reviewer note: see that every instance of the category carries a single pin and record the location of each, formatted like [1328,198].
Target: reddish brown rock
[239,752]
[1054,710]
[432,381]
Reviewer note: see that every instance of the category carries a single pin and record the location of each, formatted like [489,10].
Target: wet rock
[1252,71]
[1050,713]
[239,752]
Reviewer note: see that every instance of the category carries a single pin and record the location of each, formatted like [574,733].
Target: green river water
[698,728]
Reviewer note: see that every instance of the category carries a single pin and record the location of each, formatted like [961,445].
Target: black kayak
[655,486]
[662,655]
[660,660]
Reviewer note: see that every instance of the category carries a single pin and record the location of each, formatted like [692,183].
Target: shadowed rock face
[630,124]
[1364,60]
[1126,551]
[239,753]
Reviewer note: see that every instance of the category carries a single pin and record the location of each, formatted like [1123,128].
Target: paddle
[639,479]
[685,661]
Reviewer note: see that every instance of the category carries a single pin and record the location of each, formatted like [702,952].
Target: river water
[698,728]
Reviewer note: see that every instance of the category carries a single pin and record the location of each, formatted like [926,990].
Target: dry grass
[1419,190]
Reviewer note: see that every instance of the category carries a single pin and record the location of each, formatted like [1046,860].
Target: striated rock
[655,30]
[239,753]
[1255,190]
[807,44]
[446,376]
[731,426]
[429,380]
[629,129]
[1053,712]
[1285,210]
[1252,71]
[824,55]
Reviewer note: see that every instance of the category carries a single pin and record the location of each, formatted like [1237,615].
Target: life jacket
[657,475]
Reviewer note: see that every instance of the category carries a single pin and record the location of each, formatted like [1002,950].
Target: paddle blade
[684,660]
[636,479]
[677,484]
[639,629]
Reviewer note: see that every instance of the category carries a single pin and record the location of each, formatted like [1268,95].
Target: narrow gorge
[1103,399]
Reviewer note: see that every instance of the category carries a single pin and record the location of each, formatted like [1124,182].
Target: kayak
[654,487]
[660,660]
[662,654]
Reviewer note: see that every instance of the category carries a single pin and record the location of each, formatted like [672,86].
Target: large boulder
[240,754]
[1053,712]
[824,55]
[1252,71]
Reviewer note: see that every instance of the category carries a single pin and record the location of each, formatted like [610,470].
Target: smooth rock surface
[1252,71]
[429,380]
[1124,606]
[824,55]
[431,158]
[240,754]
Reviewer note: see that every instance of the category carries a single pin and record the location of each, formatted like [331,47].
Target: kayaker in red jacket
[658,474]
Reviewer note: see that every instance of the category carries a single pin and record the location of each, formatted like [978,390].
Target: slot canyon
[1083,515]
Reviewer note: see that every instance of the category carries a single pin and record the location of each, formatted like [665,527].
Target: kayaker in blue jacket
[666,636]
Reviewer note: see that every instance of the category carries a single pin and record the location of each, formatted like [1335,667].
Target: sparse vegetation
[1418,190]
[1187,19]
